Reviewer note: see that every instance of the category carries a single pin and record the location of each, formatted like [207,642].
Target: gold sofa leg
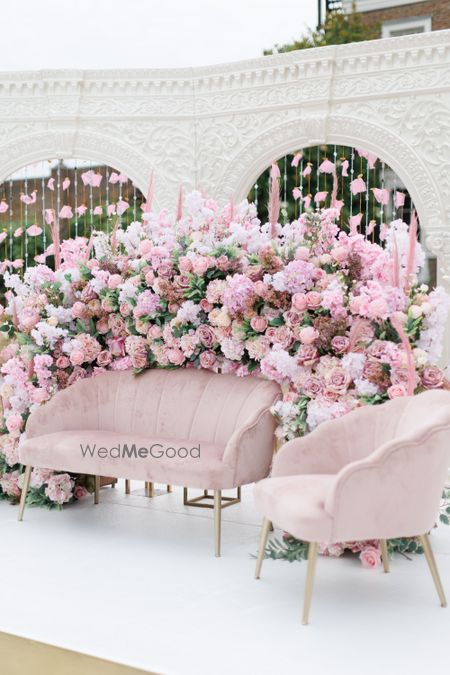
[217,521]
[26,485]
[149,488]
[424,540]
[384,555]
[265,528]
[127,486]
[312,558]
[97,490]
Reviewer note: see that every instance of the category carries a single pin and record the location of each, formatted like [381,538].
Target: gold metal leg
[424,540]
[97,490]
[217,520]
[384,555]
[149,489]
[127,486]
[26,485]
[262,546]
[169,488]
[312,558]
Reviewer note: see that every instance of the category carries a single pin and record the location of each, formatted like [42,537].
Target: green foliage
[289,549]
[339,28]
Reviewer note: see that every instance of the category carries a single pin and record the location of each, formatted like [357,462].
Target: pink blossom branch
[274,205]
[412,247]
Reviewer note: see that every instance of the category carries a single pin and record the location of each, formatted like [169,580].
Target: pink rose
[28,318]
[145,246]
[76,357]
[307,355]
[258,323]
[102,325]
[125,309]
[149,278]
[340,344]
[206,335]
[313,300]
[114,281]
[80,492]
[62,362]
[185,264]
[432,377]
[13,423]
[302,253]
[312,386]
[308,335]
[378,309]
[200,266]
[261,289]
[175,356]
[39,395]
[207,359]
[104,358]
[337,380]
[155,332]
[370,557]
[396,390]
[339,254]
[299,302]
[79,310]
[205,305]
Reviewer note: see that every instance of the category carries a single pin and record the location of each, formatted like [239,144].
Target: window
[418,24]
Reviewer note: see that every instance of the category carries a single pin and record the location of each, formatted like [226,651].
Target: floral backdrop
[338,320]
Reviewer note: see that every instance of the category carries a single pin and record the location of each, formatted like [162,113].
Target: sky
[145,33]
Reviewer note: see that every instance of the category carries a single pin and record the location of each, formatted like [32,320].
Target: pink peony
[59,488]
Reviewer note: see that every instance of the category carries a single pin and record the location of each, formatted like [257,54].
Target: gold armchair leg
[262,546]
[26,485]
[127,486]
[97,490]
[424,540]
[312,558]
[217,520]
[384,554]
[149,488]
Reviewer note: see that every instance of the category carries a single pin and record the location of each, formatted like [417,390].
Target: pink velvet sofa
[200,430]
[376,473]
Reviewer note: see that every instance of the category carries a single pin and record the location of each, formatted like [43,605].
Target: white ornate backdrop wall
[216,128]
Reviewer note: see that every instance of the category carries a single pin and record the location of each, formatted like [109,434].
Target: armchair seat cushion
[61,451]
[297,504]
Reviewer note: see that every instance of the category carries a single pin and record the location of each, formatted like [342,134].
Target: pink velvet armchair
[165,414]
[376,473]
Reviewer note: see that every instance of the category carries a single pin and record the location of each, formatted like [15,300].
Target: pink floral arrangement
[338,320]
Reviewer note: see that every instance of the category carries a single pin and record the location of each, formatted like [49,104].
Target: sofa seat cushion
[62,451]
[297,505]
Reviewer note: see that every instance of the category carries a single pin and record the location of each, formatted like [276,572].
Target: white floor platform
[135,580]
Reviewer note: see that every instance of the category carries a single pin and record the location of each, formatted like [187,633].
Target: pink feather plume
[412,378]
[412,247]
[274,206]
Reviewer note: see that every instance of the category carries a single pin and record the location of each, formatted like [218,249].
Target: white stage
[135,580]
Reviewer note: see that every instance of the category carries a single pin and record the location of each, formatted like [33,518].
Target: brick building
[402,17]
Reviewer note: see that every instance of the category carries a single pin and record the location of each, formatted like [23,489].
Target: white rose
[415,311]
[426,307]
[52,321]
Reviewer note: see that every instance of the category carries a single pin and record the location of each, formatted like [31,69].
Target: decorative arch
[41,145]
[239,176]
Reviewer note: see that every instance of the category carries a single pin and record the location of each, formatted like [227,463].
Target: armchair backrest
[396,490]
[185,403]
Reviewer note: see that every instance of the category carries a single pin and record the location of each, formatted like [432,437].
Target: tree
[339,28]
